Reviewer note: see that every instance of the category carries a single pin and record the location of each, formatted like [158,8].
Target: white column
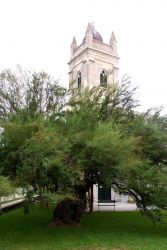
[95,197]
[112,194]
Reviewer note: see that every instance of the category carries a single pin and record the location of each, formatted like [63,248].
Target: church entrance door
[104,194]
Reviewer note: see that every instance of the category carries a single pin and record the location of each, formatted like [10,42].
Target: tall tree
[31,92]
[54,140]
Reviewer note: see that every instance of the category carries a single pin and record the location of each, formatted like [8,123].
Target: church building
[95,63]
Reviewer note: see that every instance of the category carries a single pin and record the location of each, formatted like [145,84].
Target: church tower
[93,62]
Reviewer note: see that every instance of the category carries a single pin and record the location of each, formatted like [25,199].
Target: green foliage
[111,151]
[30,93]
[6,187]
[54,140]
[59,196]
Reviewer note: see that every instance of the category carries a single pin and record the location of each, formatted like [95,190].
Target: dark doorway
[104,194]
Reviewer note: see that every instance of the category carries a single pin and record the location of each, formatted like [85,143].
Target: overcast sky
[37,34]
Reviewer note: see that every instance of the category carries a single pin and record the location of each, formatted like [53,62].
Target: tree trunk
[90,199]
[70,211]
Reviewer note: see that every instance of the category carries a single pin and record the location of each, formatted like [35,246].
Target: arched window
[79,79]
[103,79]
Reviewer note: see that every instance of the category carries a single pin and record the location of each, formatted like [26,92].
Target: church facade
[95,63]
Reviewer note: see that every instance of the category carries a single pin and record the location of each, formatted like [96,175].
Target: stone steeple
[93,62]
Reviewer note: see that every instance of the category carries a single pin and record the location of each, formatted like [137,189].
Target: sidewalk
[119,206]
[11,203]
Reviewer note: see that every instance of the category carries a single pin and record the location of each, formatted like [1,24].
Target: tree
[6,188]
[146,183]
[63,142]
[32,93]
[28,144]
[134,162]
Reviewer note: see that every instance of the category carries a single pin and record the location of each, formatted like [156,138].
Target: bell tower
[93,62]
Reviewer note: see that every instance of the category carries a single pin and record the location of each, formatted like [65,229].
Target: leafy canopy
[65,141]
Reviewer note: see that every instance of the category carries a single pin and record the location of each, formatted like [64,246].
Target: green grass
[102,231]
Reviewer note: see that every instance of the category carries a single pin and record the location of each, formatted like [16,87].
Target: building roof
[96,35]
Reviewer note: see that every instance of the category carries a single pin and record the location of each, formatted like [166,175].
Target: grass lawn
[102,231]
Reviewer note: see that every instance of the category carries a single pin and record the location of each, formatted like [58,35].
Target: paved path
[10,203]
[119,206]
